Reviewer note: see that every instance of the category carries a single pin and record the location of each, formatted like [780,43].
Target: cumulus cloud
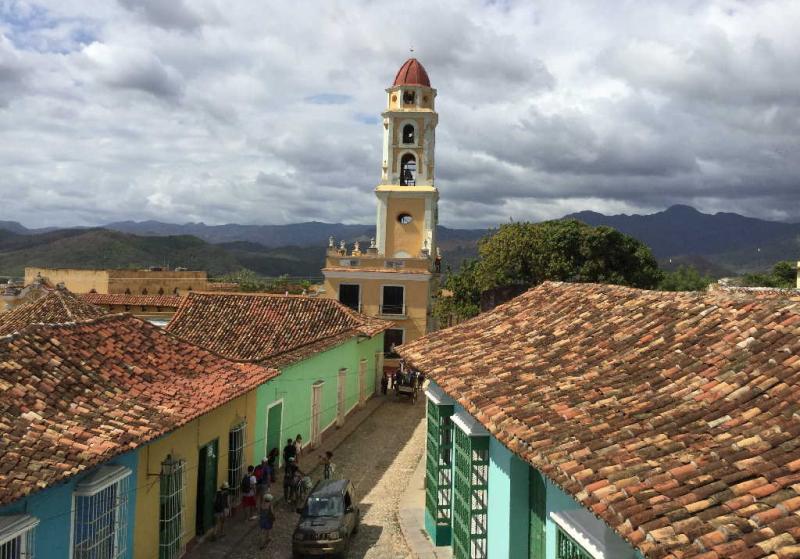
[254,113]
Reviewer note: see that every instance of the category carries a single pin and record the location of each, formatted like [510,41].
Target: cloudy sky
[267,112]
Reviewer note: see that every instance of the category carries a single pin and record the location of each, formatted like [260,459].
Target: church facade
[396,276]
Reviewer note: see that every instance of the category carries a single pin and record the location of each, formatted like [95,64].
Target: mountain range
[718,244]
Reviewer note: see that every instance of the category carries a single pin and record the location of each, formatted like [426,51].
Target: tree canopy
[526,254]
[783,274]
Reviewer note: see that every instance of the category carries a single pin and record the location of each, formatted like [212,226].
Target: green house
[329,356]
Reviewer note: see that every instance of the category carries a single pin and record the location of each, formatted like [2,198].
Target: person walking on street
[266,519]
[288,478]
[289,451]
[262,480]
[221,507]
[384,384]
[298,446]
[327,465]
[272,461]
[249,493]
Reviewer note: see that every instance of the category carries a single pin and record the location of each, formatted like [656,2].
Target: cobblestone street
[379,458]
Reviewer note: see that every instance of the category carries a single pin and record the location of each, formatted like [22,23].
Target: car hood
[319,524]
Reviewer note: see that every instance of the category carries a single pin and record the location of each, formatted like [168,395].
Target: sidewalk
[239,529]
[412,518]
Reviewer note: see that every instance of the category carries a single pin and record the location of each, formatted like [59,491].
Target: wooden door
[273,437]
[206,486]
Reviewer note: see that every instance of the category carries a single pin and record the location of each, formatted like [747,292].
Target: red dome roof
[412,73]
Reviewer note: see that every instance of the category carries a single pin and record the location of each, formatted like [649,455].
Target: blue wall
[53,508]
[508,503]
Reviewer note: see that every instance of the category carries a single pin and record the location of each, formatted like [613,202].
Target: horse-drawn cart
[406,386]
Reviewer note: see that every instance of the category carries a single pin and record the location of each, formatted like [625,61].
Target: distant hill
[726,240]
[719,244]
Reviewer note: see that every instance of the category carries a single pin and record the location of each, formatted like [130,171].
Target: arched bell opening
[408,170]
[408,134]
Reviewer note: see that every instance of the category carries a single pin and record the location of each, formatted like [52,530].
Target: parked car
[328,519]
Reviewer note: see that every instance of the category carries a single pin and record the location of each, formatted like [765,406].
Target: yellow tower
[396,277]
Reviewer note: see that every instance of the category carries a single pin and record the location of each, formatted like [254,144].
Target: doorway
[206,486]
[272,438]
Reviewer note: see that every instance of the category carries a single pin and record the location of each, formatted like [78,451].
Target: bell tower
[407,197]
[398,275]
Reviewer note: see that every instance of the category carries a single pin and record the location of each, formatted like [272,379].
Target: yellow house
[396,277]
[152,281]
[184,469]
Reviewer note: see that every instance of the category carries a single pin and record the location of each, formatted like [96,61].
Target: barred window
[236,465]
[100,514]
[171,525]
[16,536]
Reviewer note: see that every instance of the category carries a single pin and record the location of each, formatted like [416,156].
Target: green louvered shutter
[536,502]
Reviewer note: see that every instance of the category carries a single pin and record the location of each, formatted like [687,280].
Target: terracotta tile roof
[73,396]
[267,328]
[672,416]
[166,301]
[56,306]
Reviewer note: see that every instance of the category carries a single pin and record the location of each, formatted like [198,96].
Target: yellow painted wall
[408,237]
[185,443]
[417,297]
[117,281]
[77,281]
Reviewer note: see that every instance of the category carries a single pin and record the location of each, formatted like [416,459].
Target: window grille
[17,536]
[567,548]
[470,496]
[438,464]
[236,465]
[100,526]
[171,525]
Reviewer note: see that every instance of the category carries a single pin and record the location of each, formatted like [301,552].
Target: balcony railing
[393,309]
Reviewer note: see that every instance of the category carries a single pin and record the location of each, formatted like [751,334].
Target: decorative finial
[372,243]
[331,240]
[341,245]
[356,247]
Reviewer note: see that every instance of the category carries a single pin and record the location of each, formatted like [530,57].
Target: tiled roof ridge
[35,326]
[625,454]
[161,399]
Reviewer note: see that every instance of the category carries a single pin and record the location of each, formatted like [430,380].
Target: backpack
[245,485]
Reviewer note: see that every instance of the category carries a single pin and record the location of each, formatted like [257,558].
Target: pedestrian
[262,480]
[249,493]
[384,384]
[289,451]
[290,472]
[420,379]
[222,503]
[272,461]
[298,445]
[327,464]
[266,519]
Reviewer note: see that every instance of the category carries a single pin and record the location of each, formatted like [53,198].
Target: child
[327,465]
[266,519]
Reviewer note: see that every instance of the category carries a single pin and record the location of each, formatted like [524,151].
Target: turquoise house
[486,502]
[89,515]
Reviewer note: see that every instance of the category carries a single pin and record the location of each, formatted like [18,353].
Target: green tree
[564,250]
[783,275]
[685,278]
[527,254]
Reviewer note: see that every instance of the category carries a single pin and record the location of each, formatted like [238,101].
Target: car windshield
[324,506]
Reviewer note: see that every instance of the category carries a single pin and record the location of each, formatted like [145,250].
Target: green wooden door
[274,416]
[206,486]
[536,502]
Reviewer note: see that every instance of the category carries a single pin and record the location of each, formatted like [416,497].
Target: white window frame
[360,293]
[180,514]
[235,475]
[402,314]
[20,527]
[91,486]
